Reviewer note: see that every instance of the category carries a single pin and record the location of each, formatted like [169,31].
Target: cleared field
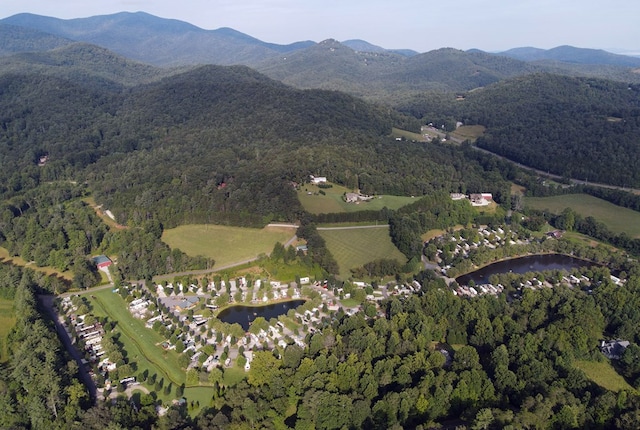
[470,132]
[142,345]
[354,247]
[7,321]
[616,218]
[604,375]
[332,201]
[17,261]
[226,245]
[398,132]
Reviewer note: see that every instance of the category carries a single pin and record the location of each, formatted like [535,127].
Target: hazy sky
[422,25]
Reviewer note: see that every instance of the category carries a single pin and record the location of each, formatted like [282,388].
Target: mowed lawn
[226,245]
[142,344]
[604,375]
[616,218]
[7,321]
[332,200]
[354,247]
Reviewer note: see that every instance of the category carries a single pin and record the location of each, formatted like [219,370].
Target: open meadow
[604,375]
[226,245]
[7,321]
[332,200]
[353,247]
[616,218]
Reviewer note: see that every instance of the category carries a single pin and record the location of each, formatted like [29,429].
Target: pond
[530,263]
[244,315]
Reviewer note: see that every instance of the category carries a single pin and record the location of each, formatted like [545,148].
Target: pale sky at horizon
[490,25]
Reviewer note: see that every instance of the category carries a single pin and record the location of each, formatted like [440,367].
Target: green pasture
[604,375]
[226,245]
[332,200]
[141,344]
[356,246]
[7,321]
[616,218]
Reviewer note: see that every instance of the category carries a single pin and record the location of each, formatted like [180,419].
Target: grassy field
[7,321]
[616,218]
[142,345]
[355,247]
[6,258]
[471,132]
[604,375]
[226,245]
[316,203]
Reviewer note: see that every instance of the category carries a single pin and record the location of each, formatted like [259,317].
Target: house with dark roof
[613,349]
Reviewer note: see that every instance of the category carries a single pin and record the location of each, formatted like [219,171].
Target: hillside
[578,127]
[211,144]
[82,62]
[22,39]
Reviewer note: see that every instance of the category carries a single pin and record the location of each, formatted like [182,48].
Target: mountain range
[169,42]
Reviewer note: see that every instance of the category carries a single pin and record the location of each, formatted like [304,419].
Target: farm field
[141,344]
[226,245]
[357,246]
[7,321]
[616,218]
[316,203]
[6,258]
[604,375]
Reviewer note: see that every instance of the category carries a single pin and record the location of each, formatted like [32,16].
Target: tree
[264,367]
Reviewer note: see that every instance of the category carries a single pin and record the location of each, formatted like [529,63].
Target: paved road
[47,303]
[552,176]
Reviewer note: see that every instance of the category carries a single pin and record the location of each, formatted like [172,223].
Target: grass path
[18,261]
[7,321]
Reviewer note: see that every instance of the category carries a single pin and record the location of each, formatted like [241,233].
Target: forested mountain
[578,127]
[571,54]
[155,40]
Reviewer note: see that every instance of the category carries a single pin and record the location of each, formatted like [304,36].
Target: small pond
[244,315]
[530,263]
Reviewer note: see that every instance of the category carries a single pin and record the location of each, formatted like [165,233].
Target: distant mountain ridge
[157,41]
[571,54]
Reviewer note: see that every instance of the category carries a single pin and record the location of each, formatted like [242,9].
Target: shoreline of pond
[543,254]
